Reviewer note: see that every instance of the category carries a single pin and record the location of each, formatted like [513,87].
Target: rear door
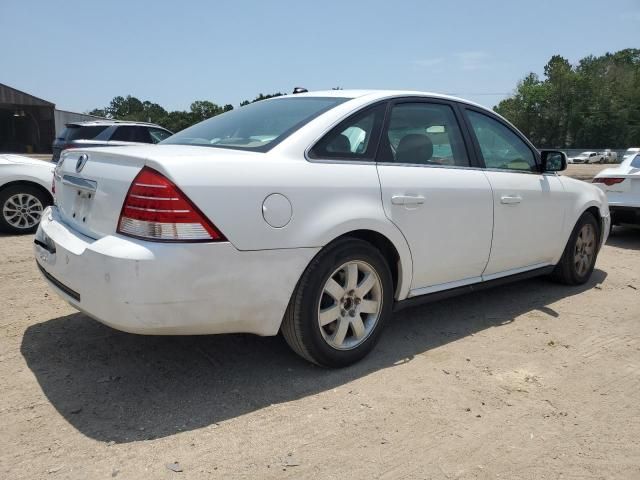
[529,206]
[435,193]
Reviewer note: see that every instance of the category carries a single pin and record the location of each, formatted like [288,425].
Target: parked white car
[609,156]
[25,191]
[317,215]
[622,186]
[587,157]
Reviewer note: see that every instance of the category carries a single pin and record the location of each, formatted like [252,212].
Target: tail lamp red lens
[608,181]
[156,209]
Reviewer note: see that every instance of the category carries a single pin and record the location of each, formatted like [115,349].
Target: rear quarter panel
[327,200]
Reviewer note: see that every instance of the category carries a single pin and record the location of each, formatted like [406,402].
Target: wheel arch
[595,211]
[28,183]
[395,252]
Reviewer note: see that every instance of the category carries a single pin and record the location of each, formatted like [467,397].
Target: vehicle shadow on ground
[625,237]
[119,387]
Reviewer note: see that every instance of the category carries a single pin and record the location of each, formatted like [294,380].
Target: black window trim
[310,157]
[476,145]
[474,163]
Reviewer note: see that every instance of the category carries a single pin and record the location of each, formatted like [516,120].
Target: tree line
[131,108]
[594,104]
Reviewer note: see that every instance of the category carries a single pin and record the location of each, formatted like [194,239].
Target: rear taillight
[608,181]
[156,209]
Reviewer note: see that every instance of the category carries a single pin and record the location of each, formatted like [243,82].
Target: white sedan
[315,214]
[25,191]
[622,186]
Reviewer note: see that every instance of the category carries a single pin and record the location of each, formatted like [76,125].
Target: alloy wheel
[584,251]
[22,210]
[350,305]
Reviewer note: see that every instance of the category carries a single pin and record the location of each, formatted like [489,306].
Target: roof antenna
[299,90]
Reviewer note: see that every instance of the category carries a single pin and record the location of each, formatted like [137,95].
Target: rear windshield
[635,163]
[258,126]
[77,132]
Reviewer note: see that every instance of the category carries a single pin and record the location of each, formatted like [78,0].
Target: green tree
[261,97]
[593,104]
[131,108]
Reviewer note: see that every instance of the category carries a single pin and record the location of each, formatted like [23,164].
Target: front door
[528,205]
[430,190]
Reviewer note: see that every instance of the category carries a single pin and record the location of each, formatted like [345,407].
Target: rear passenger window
[423,134]
[501,147]
[158,135]
[354,139]
[131,134]
[75,132]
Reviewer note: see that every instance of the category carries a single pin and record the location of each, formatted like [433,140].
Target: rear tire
[21,207]
[579,257]
[338,309]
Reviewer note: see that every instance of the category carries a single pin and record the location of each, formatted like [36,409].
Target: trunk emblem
[82,160]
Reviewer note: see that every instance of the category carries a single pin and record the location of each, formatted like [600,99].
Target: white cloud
[428,62]
[629,16]
[472,60]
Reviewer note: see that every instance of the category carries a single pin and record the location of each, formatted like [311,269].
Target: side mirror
[553,161]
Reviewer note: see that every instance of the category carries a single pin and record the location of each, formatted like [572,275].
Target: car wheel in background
[579,256]
[21,207]
[340,305]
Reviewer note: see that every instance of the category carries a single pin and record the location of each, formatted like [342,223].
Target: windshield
[258,126]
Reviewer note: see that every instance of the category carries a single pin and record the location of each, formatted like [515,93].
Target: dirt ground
[527,381]
[585,172]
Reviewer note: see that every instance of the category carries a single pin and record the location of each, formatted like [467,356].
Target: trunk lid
[90,187]
[90,198]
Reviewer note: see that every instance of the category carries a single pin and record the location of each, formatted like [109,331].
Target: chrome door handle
[407,200]
[510,199]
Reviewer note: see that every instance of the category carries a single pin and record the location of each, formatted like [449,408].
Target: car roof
[94,123]
[383,94]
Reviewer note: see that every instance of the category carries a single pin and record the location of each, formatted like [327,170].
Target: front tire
[339,307]
[579,257]
[21,207]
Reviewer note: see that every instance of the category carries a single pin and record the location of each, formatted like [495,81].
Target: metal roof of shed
[10,95]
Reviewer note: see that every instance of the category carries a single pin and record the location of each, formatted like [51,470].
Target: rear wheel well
[37,186]
[384,245]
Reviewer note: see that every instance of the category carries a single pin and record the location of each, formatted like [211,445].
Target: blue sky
[80,54]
